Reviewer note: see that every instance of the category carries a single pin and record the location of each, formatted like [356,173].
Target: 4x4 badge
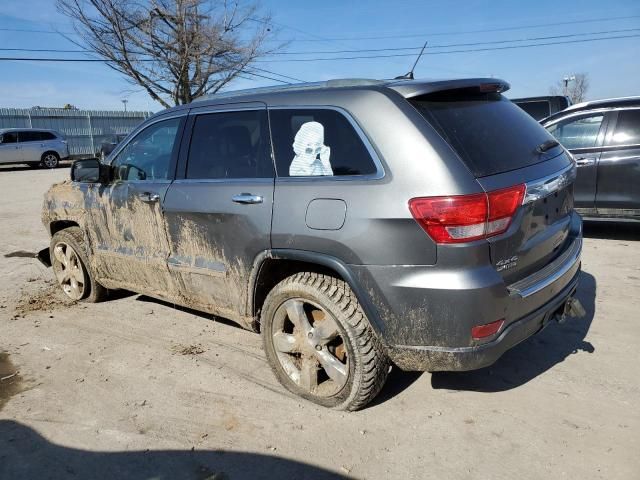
[507,263]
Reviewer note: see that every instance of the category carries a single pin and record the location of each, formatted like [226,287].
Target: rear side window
[317,142]
[47,136]
[230,145]
[488,132]
[29,136]
[627,130]
[578,132]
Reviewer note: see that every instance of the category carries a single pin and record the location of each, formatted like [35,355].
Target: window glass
[230,145]
[10,137]
[627,130]
[489,133]
[47,136]
[148,155]
[577,133]
[318,142]
[29,136]
[537,110]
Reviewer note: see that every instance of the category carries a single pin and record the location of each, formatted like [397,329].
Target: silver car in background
[32,146]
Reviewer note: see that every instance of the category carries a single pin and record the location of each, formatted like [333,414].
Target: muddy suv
[355,224]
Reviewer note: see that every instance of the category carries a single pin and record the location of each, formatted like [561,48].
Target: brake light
[464,218]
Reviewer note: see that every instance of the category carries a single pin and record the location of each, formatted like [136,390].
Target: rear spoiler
[416,88]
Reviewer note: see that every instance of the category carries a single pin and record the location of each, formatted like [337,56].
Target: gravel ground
[134,388]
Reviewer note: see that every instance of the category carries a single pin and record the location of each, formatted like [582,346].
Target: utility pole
[566,81]
[124,102]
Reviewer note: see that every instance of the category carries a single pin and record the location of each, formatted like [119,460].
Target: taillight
[464,218]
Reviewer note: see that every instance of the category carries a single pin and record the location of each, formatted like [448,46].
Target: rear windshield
[490,133]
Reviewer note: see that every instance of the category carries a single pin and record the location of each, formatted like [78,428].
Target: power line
[277,74]
[464,32]
[508,47]
[449,45]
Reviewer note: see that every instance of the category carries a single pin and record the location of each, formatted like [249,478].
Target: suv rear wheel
[319,342]
[69,260]
[50,159]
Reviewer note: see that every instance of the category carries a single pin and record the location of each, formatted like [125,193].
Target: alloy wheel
[310,347]
[69,270]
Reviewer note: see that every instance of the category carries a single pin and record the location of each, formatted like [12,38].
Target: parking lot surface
[137,388]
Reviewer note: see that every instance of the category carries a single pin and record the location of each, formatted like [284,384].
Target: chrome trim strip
[549,274]
[543,187]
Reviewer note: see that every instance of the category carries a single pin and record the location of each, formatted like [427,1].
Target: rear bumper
[424,358]
[426,313]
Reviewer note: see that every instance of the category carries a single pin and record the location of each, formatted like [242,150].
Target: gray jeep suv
[355,223]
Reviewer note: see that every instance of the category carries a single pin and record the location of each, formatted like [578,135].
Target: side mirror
[90,171]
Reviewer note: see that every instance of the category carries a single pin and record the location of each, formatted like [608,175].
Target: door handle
[581,162]
[247,198]
[148,197]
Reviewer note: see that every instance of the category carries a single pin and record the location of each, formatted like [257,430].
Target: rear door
[501,146]
[218,211]
[619,167]
[583,135]
[32,145]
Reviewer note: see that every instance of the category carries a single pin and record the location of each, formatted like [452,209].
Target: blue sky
[329,25]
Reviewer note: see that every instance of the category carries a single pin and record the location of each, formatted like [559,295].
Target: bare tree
[575,87]
[176,50]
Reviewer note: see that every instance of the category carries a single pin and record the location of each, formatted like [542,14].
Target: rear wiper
[548,145]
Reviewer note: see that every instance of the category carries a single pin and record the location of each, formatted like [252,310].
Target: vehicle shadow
[20,167]
[25,454]
[201,314]
[532,357]
[610,230]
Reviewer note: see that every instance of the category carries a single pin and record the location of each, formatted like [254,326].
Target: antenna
[409,75]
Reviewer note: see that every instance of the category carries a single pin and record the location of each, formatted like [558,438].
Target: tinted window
[317,142]
[30,136]
[230,145]
[10,137]
[490,133]
[577,133]
[627,130]
[537,110]
[47,136]
[148,155]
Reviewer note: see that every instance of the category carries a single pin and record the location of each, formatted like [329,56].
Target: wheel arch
[273,266]
[57,225]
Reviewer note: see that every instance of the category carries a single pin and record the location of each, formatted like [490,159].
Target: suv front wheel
[319,342]
[69,259]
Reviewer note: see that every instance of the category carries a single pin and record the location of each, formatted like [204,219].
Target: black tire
[73,237]
[50,160]
[363,356]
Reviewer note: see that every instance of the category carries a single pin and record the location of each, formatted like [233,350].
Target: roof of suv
[620,102]
[407,88]
[4,130]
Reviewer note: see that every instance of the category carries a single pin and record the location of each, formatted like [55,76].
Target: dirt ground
[134,388]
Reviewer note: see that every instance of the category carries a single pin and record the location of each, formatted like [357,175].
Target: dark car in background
[542,107]
[109,145]
[604,138]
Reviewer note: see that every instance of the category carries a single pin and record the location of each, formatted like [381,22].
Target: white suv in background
[32,146]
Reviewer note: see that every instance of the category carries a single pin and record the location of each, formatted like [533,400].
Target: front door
[219,212]
[10,148]
[583,135]
[128,230]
